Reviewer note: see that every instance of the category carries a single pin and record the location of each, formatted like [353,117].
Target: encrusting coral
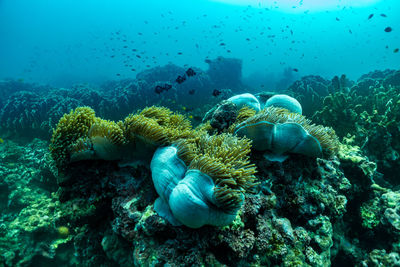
[202,181]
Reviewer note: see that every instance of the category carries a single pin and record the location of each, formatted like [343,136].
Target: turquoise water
[64,42]
[199,133]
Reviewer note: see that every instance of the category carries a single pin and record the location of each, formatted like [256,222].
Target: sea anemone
[278,132]
[202,181]
[71,128]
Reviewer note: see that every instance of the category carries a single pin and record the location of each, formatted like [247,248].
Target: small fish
[190,72]
[383,15]
[222,44]
[159,89]
[180,79]
[179,53]
[388,29]
[207,61]
[1,141]
[296,70]
[118,74]
[216,92]
[395,50]
[337,19]
[192,91]
[370,16]
[167,86]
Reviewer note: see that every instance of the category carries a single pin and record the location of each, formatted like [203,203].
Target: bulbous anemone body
[280,139]
[285,101]
[246,100]
[186,197]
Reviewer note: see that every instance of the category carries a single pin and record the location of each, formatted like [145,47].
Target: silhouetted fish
[180,79]
[216,92]
[396,50]
[388,29]
[161,88]
[370,16]
[190,72]
[192,91]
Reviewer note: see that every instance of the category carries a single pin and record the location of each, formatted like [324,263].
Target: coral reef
[310,92]
[370,113]
[152,190]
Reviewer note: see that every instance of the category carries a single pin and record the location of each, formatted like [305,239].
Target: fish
[395,50]
[180,79]
[383,15]
[192,91]
[161,88]
[337,19]
[216,92]
[190,72]
[296,70]
[158,89]
[388,29]
[370,16]
[1,141]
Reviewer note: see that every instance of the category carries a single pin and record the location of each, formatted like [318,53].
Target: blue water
[68,41]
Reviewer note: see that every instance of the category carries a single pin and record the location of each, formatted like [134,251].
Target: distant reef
[29,110]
